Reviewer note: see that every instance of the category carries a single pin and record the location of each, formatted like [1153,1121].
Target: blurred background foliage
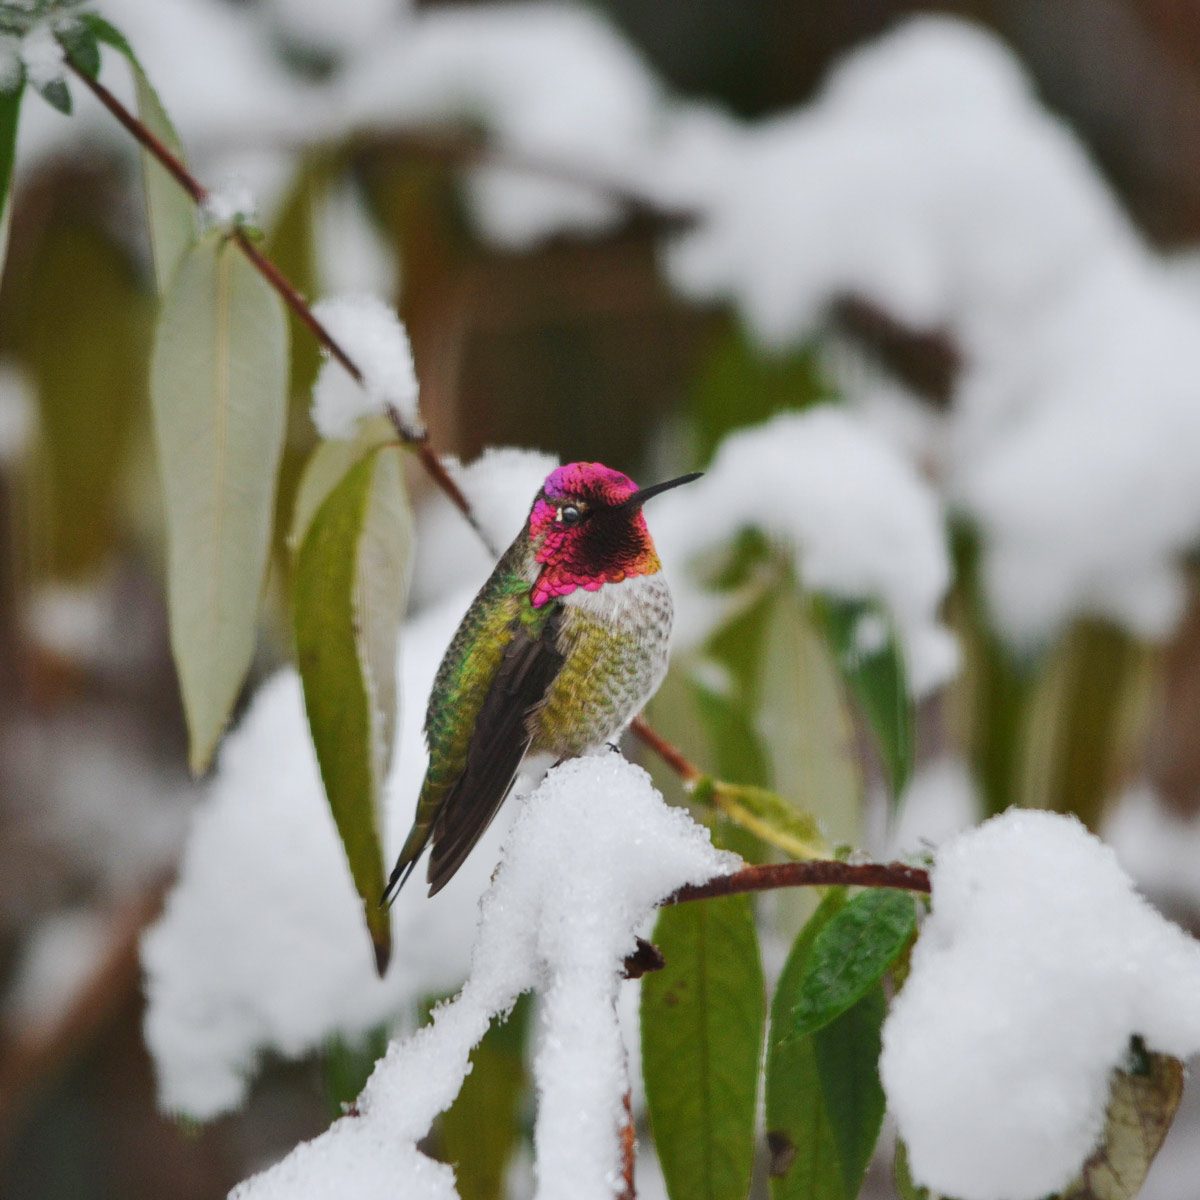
[577,347]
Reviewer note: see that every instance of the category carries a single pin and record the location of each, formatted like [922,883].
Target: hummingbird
[559,651]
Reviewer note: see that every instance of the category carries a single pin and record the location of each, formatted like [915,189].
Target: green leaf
[347,1065]
[702,1029]
[10,111]
[803,719]
[90,383]
[824,1102]
[1141,1108]
[78,39]
[351,584]
[55,93]
[219,386]
[481,1129]
[871,661]
[171,212]
[850,954]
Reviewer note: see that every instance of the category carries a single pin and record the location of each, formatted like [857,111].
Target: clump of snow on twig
[858,518]
[1038,963]
[230,204]
[375,339]
[593,850]
[42,55]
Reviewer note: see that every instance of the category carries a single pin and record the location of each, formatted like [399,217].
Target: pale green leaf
[219,387]
[804,722]
[702,1028]
[824,1102]
[171,212]
[351,585]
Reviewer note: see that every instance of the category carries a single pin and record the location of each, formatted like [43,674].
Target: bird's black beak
[643,494]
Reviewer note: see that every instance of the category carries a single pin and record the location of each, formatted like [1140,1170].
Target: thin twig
[814,873]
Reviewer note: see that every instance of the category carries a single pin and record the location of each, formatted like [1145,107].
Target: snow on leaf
[218,384]
[1032,917]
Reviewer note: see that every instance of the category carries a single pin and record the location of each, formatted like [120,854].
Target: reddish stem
[817,873]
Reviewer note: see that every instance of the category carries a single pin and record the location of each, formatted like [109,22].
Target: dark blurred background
[578,348]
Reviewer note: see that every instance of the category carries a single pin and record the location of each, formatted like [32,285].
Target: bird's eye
[570,515]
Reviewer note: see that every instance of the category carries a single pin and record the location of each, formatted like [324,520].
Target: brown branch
[816,873]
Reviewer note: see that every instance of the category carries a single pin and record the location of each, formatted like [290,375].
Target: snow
[374,338]
[592,851]
[1159,847]
[941,800]
[550,82]
[500,485]
[1038,963]
[351,255]
[42,55]
[230,203]
[57,959]
[340,29]
[222,988]
[857,518]
[73,621]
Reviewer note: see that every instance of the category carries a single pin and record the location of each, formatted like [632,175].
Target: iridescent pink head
[587,529]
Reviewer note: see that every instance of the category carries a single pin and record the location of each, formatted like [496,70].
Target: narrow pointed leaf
[55,93]
[171,213]
[824,1102]
[219,385]
[702,1029]
[871,661]
[350,589]
[849,956]
[10,110]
